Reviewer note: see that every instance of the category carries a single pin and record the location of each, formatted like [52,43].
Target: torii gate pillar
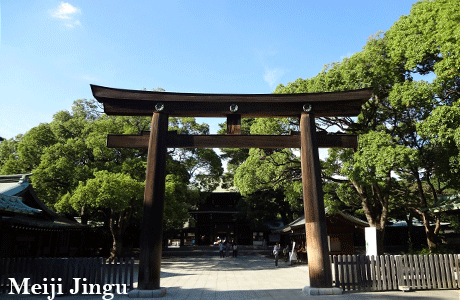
[154,194]
[313,199]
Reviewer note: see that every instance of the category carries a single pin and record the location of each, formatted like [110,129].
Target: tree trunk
[431,240]
[117,245]
[410,230]
[375,221]
[84,216]
[118,224]
[380,240]
[431,233]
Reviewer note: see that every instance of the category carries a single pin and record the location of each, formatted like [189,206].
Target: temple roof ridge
[14,204]
[13,184]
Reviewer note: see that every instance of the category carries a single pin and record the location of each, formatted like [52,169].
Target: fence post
[416,272]
[426,261]
[457,271]
[131,278]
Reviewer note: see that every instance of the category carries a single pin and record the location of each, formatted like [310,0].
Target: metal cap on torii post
[233,106]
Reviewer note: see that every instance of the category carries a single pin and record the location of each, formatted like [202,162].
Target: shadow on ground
[222,264]
[179,293]
[292,294]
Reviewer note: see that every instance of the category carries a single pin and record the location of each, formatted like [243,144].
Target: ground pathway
[246,277]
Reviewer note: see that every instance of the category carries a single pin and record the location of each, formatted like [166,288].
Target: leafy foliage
[408,144]
[116,192]
[270,178]
[75,172]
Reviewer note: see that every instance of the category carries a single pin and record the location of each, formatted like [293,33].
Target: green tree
[179,200]
[234,156]
[80,150]
[270,177]
[397,165]
[8,160]
[116,192]
[203,166]
[71,150]
[22,154]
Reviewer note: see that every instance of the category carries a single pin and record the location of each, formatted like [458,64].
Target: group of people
[225,247]
[276,253]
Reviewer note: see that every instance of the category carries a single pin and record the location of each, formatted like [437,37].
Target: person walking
[227,248]
[235,250]
[276,252]
[221,249]
[286,253]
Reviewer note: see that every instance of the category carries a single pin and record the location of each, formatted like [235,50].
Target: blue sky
[51,51]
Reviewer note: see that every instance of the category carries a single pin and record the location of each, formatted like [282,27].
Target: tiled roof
[353,219]
[14,204]
[446,203]
[40,223]
[13,184]
[300,222]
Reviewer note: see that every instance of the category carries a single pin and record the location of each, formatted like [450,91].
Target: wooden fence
[91,270]
[393,272]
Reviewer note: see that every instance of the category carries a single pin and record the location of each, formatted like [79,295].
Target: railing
[393,272]
[64,271]
[429,271]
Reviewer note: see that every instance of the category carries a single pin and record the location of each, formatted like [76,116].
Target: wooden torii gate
[232,106]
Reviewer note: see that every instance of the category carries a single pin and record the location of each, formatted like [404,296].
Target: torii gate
[232,106]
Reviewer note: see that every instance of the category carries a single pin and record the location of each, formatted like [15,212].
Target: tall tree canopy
[71,165]
[407,149]
[271,178]
[117,193]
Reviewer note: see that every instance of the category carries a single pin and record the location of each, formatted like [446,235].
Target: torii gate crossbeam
[233,106]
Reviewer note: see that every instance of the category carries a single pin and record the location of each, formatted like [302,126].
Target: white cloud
[272,76]
[263,55]
[88,77]
[73,24]
[67,12]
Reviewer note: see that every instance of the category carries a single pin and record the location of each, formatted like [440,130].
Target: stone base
[312,291]
[158,293]
[404,288]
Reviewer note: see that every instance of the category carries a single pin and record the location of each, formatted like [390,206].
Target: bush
[441,250]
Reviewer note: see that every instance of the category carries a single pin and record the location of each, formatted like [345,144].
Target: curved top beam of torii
[145,103]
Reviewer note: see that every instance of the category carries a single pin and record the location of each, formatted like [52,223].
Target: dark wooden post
[315,217]
[152,227]
[234,124]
